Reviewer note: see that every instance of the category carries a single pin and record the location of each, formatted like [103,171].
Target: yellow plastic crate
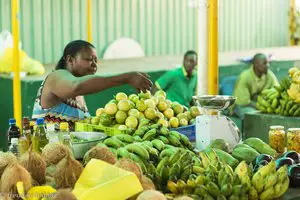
[84,127]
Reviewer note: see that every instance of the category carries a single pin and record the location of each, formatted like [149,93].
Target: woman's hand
[139,81]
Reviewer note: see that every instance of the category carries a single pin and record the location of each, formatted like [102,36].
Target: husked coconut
[151,195]
[35,165]
[6,159]
[64,194]
[147,183]
[101,153]
[12,174]
[131,166]
[54,152]
[67,173]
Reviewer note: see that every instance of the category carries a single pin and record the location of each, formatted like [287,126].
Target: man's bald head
[260,64]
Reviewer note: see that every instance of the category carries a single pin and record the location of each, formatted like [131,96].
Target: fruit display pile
[283,99]
[149,144]
[162,160]
[125,112]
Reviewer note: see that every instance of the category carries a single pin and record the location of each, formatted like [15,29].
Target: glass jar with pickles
[293,139]
[277,138]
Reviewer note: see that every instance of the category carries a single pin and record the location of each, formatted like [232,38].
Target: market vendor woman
[60,97]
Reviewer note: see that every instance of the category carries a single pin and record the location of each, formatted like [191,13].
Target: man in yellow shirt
[251,83]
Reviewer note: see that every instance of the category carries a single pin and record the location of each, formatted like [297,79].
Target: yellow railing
[16,63]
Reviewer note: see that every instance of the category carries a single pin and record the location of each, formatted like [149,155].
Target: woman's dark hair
[72,49]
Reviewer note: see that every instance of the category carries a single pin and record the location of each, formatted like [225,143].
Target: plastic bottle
[67,142]
[25,139]
[64,130]
[13,131]
[51,133]
[14,146]
[39,138]
[26,130]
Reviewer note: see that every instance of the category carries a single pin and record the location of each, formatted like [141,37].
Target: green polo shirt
[248,85]
[178,86]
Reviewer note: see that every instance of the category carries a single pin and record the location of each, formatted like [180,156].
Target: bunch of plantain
[212,179]
[159,132]
[269,183]
[294,90]
[176,164]
[283,99]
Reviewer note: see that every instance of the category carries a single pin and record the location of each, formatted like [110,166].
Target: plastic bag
[27,64]
[100,180]
[6,41]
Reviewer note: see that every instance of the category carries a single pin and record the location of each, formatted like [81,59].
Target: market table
[257,124]
[292,194]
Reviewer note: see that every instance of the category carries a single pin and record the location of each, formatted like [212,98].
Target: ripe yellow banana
[284,187]
[241,169]
[283,172]
[172,187]
[258,182]
[277,188]
[267,194]
[200,180]
[271,180]
[204,159]
[246,181]
[267,169]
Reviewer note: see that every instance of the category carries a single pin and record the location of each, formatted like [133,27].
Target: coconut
[147,183]
[101,153]
[54,152]
[13,174]
[131,166]
[64,194]
[50,170]
[35,165]
[6,159]
[67,173]
[50,181]
[151,195]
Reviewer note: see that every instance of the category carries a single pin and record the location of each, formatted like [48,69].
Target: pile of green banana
[277,101]
[212,179]
[148,143]
[269,183]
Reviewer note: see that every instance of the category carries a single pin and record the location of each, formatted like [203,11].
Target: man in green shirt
[180,84]
[251,83]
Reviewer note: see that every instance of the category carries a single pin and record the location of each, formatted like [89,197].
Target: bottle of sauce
[39,138]
[13,131]
[25,139]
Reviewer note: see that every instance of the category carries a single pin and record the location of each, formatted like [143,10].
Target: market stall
[143,141]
